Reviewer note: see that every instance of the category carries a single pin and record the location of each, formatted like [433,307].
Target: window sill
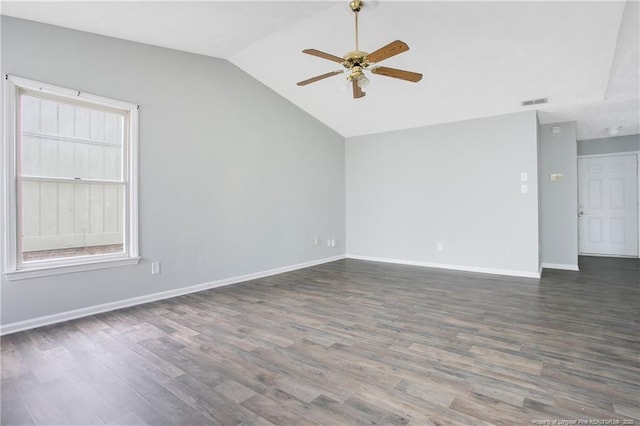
[46,271]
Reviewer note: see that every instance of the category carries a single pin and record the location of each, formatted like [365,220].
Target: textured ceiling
[620,106]
[213,28]
[478,58]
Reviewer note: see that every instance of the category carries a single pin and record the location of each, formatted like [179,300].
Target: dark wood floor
[350,342]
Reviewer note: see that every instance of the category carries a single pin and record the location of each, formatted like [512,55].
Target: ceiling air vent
[535,101]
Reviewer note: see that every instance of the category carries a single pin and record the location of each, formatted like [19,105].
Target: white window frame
[12,268]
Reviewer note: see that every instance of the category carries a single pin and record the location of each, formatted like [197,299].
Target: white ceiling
[478,58]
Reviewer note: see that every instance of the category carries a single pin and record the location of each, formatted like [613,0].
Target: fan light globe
[363,82]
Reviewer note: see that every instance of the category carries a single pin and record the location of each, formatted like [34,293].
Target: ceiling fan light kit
[357,62]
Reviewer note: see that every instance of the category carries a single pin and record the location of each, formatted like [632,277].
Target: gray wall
[456,183]
[629,143]
[559,200]
[234,179]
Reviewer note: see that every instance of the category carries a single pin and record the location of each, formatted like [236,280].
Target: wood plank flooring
[349,342]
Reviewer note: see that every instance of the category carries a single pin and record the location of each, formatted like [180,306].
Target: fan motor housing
[356,59]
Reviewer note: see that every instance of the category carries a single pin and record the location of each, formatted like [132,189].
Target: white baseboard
[15,327]
[482,270]
[563,266]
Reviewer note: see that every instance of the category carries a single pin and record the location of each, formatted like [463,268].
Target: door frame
[617,154]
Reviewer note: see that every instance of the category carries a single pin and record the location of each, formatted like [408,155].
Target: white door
[608,205]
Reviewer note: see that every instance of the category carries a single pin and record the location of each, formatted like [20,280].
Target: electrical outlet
[155,268]
[440,246]
[316,242]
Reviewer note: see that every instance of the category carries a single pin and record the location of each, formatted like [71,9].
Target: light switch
[524,188]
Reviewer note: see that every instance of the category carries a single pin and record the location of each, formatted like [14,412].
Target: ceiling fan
[357,62]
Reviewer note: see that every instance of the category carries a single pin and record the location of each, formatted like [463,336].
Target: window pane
[31,149]
[30,114]
[71,219]
[65,140]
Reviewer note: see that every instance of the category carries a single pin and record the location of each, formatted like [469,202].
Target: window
[70,191]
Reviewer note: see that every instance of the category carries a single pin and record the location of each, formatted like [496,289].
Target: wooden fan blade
[396,73]
[357,91]
[319,77]
[323,55]
[392,49]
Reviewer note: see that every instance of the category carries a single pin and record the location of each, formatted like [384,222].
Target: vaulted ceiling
[478,58]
